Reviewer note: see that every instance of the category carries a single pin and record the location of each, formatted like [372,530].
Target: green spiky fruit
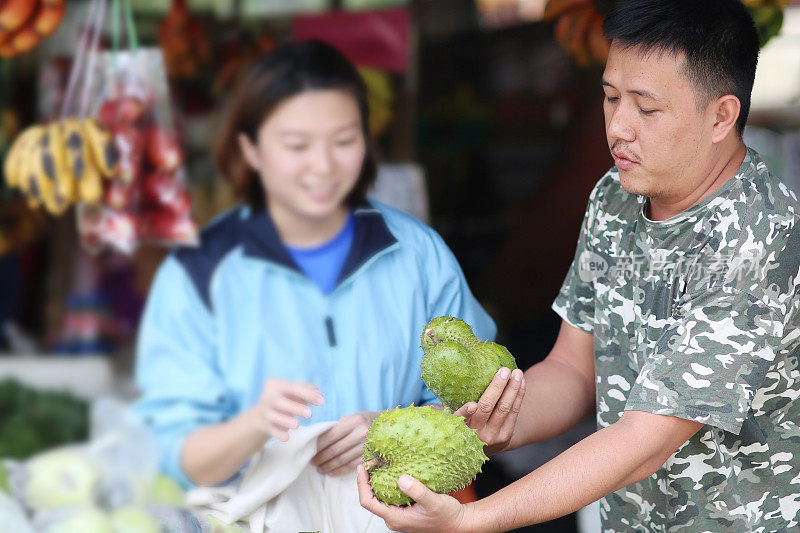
[446,328]
[433,445]
[457,366]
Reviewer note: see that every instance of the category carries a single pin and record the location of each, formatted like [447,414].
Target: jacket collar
[370,236]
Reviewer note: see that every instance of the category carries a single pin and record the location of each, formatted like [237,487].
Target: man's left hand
[431,512]
[495,414]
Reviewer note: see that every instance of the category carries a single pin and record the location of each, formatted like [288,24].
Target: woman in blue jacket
[304,305]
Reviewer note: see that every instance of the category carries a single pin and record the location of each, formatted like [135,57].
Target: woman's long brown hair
[287,71]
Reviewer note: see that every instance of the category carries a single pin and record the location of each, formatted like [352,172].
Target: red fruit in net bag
[120,231]
[162,225]
[118,195]
[163,190]
[130,149]
[163,150]
[123,110]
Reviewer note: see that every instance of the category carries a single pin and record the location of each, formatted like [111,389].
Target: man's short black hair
[718,38]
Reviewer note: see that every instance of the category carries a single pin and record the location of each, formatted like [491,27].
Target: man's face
[658,135]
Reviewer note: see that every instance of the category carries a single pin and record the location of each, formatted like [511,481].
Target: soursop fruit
[457,366]
[433,445]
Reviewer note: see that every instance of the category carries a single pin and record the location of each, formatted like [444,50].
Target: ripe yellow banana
[101,147]
[38,187]
[20,161]
[74,146]
[65,179]
[11,166]
[56,170]
[23,160]
[79,159]
[11,162]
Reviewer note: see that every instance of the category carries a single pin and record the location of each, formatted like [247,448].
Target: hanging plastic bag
[12,515]
[126,90]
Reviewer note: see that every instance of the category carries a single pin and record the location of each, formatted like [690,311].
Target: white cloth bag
[280,491]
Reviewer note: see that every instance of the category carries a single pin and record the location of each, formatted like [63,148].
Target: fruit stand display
[123,170]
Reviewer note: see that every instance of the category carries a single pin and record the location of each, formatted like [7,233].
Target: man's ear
[249,151]
[727,109]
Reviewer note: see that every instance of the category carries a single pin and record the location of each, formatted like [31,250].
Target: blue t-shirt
[323,264]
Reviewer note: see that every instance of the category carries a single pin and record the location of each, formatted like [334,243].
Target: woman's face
[309,153]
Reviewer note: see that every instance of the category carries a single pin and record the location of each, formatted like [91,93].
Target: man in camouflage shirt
[695,317]
[680,310]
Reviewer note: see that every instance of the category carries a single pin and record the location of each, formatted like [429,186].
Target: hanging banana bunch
[579,25]
[59,164]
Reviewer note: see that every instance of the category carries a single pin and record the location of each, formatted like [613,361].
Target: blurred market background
[487,114]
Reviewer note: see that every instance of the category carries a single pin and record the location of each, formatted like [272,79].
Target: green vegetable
[33,420]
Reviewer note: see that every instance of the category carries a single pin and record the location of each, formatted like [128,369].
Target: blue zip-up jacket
[223,318]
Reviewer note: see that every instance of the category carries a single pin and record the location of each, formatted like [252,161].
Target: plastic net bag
[12,515]
[125,90]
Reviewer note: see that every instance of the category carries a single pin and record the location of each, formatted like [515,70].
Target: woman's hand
[341,448]
[495,414]
[280,405]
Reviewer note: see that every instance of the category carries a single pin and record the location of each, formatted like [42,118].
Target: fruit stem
[432,334]
[372,463]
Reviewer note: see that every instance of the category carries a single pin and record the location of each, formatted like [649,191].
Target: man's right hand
[495,414]
[281,404]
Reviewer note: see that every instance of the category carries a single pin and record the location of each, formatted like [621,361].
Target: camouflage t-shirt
[697,317]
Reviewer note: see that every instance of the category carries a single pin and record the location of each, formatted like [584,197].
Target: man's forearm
[600,464]
[558,397]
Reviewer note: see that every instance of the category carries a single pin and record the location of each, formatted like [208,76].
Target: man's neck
[725,168]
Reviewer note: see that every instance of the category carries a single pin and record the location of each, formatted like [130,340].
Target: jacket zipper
[331,331]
